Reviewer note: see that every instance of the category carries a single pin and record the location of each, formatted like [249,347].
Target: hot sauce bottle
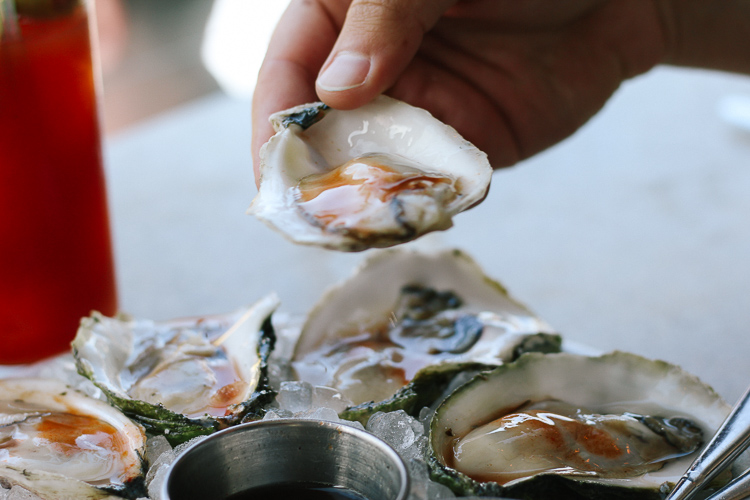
[56,261]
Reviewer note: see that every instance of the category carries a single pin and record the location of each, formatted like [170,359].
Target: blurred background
[151,57]
[158,55]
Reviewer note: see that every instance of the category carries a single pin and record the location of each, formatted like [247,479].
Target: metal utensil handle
[736,490]
[730,440]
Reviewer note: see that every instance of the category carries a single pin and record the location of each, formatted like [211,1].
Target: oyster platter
[491,404]
[479,396]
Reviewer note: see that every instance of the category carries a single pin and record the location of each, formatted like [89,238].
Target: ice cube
[328,397]
[422,487]
[295,396]
[157,480]
[163,460]
[327,414]
[404,433]
[277,413]
[155,447]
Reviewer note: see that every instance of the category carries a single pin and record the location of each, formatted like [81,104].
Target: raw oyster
[573,427]
[377,176]
[395,334]
[182,378]
[58,443]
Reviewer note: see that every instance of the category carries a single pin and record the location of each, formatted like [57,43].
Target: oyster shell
[377,176]
[59,443]
[395,334]
[573,427]
[181,378]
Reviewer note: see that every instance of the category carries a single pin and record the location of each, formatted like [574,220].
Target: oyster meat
[567,439]
[397,332]
[181,378]
[59,443]
[377,176]
[573,427]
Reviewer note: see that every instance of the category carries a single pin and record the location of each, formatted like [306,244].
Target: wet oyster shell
[619,379]
[355,312]
[445,175]
[118,354]
[31,398]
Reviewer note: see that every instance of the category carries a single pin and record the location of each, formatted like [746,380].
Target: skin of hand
[513,77]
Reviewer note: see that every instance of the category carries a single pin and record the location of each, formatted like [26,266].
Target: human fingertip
[347,70]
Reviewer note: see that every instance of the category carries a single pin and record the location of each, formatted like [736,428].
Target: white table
[631,235]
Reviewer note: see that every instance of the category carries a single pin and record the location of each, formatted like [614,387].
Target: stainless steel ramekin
[282,451]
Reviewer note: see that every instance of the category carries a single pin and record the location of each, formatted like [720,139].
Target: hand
[512,76]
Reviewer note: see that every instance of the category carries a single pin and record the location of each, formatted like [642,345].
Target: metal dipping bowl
[283,451]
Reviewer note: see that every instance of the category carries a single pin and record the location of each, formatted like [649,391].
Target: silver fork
[732,438]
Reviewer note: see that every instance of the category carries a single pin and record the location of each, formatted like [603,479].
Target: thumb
[378,40]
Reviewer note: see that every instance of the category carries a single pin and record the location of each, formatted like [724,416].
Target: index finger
[300,44]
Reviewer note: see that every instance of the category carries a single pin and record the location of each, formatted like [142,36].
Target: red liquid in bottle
[55,248]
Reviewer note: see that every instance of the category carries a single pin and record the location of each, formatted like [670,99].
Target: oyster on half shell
[573,427]
[377,176]
[181,378]
[395,334]
[59,443]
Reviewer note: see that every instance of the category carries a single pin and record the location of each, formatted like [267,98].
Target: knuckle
[379,13]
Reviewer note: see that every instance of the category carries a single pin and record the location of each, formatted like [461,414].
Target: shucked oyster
[58,443]
[573,427]
[181,378]
[377,176]
[395,334]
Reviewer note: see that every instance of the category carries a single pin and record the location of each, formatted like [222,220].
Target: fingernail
[347,71]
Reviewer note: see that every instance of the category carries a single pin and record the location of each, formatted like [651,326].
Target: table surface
[633,234]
